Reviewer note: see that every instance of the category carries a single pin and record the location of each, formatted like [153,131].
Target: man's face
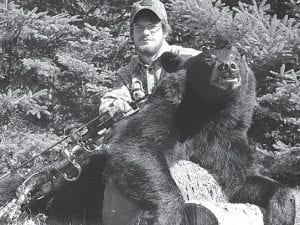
[148,36]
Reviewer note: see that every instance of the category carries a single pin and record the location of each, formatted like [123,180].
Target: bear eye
[209,60]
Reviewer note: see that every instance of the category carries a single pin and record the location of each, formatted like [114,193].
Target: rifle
[40,181]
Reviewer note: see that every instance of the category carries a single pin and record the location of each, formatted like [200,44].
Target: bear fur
[200,112]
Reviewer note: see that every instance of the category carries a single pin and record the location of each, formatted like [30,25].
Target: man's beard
[147,50]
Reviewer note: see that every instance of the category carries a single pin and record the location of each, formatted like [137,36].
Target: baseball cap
[154,5]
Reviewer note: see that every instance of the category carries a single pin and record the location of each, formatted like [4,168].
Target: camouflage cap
[154,5]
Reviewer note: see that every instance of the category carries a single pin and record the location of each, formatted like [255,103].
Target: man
[148,28]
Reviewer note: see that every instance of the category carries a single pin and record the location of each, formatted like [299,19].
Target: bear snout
[229,68]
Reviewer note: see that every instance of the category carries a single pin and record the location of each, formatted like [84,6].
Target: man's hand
[114,108]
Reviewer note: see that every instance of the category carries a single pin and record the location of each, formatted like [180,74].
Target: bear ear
[172,62]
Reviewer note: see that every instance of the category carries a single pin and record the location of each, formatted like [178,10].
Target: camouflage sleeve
[124,76]
[119,98]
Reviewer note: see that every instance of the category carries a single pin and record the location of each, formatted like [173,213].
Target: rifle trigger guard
[27,186]
[70,157]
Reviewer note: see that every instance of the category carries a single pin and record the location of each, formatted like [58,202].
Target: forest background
[58,57]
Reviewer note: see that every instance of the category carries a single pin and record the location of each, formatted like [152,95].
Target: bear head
[212,74]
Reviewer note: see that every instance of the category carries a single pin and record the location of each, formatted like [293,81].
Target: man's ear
[171,62]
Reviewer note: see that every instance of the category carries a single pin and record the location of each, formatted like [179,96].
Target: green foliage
[200,23]
[279,7]
[279,111]
[69,63]
[15,101]
[19,142]
[293,8]
[261,37]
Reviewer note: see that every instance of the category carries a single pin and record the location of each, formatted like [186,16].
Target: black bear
[200,112]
